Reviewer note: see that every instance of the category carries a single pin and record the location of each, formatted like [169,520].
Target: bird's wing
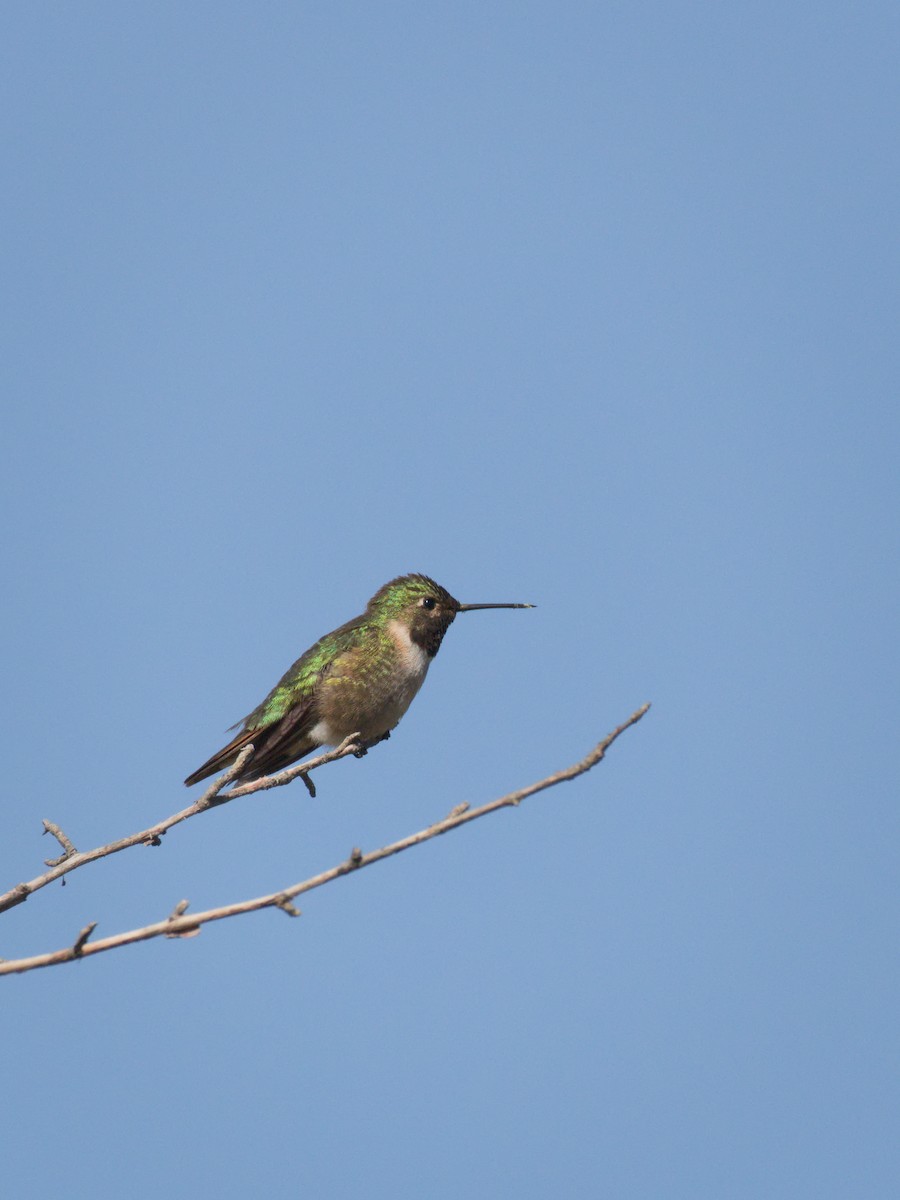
[275,745]
[280,744]
[222,758]
[279,727]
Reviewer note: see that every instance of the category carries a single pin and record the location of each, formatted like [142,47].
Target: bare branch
[67,847]
[71,859]
[178,924]
[81,940]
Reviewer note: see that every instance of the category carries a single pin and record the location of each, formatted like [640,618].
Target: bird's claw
[363,748]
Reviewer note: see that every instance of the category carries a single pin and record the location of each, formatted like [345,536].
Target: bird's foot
[363,748]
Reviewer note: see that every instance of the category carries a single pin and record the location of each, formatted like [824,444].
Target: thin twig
[81,940]
[180,925]
[68,850]
[71,859]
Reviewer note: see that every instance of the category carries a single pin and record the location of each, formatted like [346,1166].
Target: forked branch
[71,859]
[179,924]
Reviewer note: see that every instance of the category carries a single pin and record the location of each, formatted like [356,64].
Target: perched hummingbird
[359,679]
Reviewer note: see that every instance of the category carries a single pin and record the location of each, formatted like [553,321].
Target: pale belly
[369,720]
[376,707]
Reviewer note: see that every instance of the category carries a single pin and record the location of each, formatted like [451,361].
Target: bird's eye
[429,602]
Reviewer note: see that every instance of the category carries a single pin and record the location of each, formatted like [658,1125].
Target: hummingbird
[361,678]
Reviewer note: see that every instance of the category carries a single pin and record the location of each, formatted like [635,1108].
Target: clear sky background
[589,305]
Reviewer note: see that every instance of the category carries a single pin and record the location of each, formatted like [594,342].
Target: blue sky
[593,306]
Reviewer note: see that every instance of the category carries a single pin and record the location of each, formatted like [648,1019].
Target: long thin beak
[470,607]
